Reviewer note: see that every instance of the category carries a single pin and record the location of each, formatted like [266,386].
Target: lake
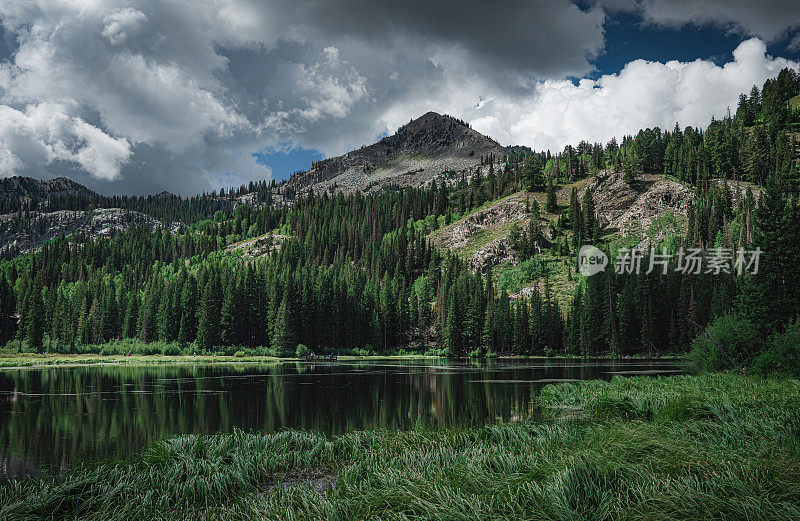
[55,418]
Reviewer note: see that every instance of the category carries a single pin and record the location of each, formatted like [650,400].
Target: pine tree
[7,306]
[283,339]
[35,322]
[188,322]
[551,203]
[770,298]
[208,323]
[589,227]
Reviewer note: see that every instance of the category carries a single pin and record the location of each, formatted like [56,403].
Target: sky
[140,96]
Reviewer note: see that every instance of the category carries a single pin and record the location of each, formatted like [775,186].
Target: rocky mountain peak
[420,151]
[432,131]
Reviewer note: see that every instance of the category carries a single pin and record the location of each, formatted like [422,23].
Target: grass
[50,359]
[32,360]
[683,447]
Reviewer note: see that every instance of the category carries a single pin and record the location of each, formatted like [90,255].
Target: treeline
[164,206]
[745,146]
[356,273]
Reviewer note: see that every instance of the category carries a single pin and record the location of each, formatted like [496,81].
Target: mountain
[33,211]
[23,235]
[416,154]
[15,190]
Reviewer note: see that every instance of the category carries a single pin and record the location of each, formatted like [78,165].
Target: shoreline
[676,447]
[10,361]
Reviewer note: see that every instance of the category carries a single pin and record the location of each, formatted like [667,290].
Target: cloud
[794,45]
[122,22]
[644,94]
[145,95]
[539,37]
[769,19]
[144,84]
[47,133]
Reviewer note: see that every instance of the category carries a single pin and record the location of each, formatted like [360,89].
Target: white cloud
[328,88]
[121,23]
[101,155]
[644,94]
[46,133]
[176,95]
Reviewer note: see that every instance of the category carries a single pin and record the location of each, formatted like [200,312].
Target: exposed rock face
[493,224]
[459,233]
[492,254]
[416,154]
[260,246]
[630,208]
[29,233]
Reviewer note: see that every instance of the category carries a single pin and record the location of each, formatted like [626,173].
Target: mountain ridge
[417,153]
[24,189]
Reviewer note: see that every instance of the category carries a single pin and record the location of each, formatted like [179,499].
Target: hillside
[14,190]
[416,154]
[25,234]
[646,210]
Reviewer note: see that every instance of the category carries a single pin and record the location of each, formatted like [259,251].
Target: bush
[782,354]
[302,351]
[12,347]
[731,341]
[240,354]
[172,350]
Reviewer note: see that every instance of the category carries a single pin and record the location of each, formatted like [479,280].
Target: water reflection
[54,418]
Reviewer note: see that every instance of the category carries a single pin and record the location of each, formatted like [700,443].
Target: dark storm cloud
[145,95]
[768,19]
[537,37]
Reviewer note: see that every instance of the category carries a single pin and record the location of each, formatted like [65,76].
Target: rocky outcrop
[483,235]
[458,234]
[27,233]
[492,254]
[631,208]
[260,246]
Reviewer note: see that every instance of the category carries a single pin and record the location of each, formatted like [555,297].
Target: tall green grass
[684,447]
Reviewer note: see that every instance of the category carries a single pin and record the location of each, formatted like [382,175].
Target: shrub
[172,350]
[302,351]
[731,341]
[782,354]
[240,354]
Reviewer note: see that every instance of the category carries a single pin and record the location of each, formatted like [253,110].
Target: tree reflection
[56,418]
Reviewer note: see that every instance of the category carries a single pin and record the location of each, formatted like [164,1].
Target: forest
[356,273]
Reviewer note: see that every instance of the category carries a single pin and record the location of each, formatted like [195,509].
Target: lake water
[56,418]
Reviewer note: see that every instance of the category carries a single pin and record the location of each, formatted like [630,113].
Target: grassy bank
[32,360]
[682,447]
[29,360]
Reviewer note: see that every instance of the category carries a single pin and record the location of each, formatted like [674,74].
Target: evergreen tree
[589,226]
[208,323]
[551,203]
